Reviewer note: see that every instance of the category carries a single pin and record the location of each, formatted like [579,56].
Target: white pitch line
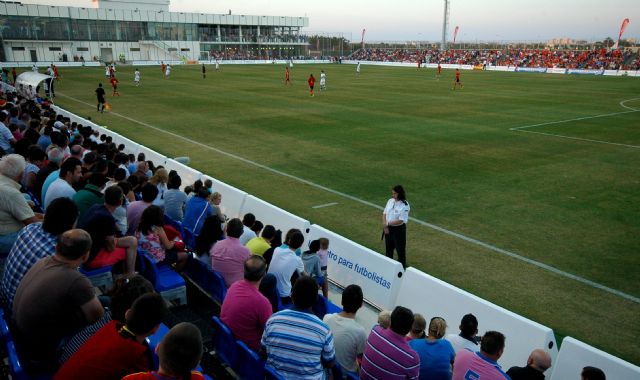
[570,120]
[582,139]
[325,205]
[367,203]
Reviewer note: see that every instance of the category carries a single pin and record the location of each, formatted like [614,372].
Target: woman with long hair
[394,224]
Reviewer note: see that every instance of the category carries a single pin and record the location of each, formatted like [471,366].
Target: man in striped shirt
[482,365]
[298,345]
[387,354]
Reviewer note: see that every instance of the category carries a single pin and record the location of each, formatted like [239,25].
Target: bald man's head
[540,360]
[74,244]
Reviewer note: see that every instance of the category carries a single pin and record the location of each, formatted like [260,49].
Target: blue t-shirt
[435,358]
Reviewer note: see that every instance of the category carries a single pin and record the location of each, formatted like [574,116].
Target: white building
[141,30]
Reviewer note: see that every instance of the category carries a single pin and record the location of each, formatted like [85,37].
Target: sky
[410,20]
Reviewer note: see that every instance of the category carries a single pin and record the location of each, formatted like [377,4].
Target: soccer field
[525,188]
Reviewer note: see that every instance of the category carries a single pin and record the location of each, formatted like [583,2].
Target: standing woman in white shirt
[394,221]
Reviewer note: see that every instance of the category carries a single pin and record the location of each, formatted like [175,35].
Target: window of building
[82,49]
[17,48]
[54,48]
[134,49]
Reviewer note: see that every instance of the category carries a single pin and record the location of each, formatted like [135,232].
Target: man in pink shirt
[482,365]
[228,255]
[245,310]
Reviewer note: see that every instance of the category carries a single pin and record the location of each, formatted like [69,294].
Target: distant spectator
[91,194]
[349,336]
[387,354]
[15,212]
[483,363]
[35,161]
[467,337]
[216,200]
[45,140]
[592,373]
[245,310]
[160,179]
[118,349]
[418,327]
[125,291]
[141,172]
[34,242]
[54,157]
[285,263]
[108,249]
[247,234]
[210,233]
[257,227]
[323,254]
[228,255]
[153,239]
[290,332]
[436,354]
[197,210]
[259,245]
[135,209]
[538,362]
[175,199]
[70,174]
[179,352]
[311,263]
[384,319]
[45,314]
[275,243]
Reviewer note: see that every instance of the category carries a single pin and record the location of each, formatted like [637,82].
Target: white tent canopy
[30,78]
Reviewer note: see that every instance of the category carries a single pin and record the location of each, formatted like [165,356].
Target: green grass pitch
[565,194]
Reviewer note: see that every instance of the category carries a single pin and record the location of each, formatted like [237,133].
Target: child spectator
[384,319]
[311,263]
[323,254]
[179,353]
[152,238]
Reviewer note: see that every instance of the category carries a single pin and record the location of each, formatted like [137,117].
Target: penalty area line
[370,204]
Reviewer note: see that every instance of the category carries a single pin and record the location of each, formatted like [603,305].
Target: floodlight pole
[445,26]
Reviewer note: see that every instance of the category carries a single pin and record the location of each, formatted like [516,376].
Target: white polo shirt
[283,263]
[397,210]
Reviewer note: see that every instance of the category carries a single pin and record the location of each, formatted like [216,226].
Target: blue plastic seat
[5,334]
[168,283]
[209,280]
[100,278]
[175,224]
[15,368]
[248,365]
[154,340]
[224,343]
[189,238]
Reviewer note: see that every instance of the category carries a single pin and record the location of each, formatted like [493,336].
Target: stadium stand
[570,59]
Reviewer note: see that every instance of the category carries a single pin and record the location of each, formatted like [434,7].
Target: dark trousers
[397,239]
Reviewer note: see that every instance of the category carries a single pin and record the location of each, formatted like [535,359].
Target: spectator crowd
[70,198]
[538,58]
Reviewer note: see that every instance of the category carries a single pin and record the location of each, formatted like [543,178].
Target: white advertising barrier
[232,198]
[612,72]
[501,68]
[155,63]
[269,214]
[152,155]
[587,72]
[575,355]
[351,263]
[431,297]
[187,175]
[531,69]
[557,70]
[45,64]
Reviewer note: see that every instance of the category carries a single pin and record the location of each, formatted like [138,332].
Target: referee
[394,219]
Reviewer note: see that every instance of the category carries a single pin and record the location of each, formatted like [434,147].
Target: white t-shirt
[460,343]
[58,189]
[283,263]
[323,77]
[397,210]
[136,76]
[348,339]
